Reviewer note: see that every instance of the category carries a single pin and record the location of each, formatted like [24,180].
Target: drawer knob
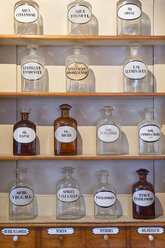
[15,238]
[105,237]
[151,238]
[60,238]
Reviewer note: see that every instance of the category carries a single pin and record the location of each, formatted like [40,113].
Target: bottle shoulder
[67,183]
[33,58]
[64,121]
[24,124]
[142,186]
[146,122]
[103,187]
[79,2]
[108,121]
[77,58]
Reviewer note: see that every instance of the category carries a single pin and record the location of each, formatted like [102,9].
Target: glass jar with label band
[65,133]
[135,72]
[104,197]
[34,77]
[143,197]
[21,197]
[27,19]
[149,134]
[129,17]
[68,203]
[108,134]
[24,135]
[77,71]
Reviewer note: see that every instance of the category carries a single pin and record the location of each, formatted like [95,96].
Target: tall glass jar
[104,197]
[24,135]
[149,131]
[33,72]
[77,71]
[129,17]
[65,133]
[135,72]
[143,197]
[68,203]
[21,197]
[108,134]
[27,18]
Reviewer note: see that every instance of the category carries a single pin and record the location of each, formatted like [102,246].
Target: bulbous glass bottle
[27,18]
[24,135]
[21,197]
[143,197]
[104,197]
[149,131]
[135,72]
[129,17]
[33,73]
[108,134]
[68,203]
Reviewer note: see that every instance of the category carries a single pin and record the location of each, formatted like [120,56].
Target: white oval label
[105,230]
[15,231]
[60,230]
[68,194]
[150,230]
[21,196]
[26,13]
[135,70]
[108,133]
[105,199]
[79,14]
[24,135]
[150,133]
[77,71]
[32,71]
[129,12]
[65,134]
[143,198]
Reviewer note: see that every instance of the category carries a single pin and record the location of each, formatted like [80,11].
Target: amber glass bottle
[65,133]
[143,197]
[24,135]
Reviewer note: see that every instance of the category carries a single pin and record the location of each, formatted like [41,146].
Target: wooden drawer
[61,240]
[106,240]
[7,241]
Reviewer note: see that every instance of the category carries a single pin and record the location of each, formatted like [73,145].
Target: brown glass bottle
[65,133]
[143,197]
[24,135]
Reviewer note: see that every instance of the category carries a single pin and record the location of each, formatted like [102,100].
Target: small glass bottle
[27,18]
[77,71]
[149,131]
[68,203]
[24,135]
[21,197]
[108,134]
[65,133]
[104,197]
[143,197]
[135,72]
[33,73]
[129,17]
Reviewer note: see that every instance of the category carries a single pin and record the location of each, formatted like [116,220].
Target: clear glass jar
[149,131]
[21,197]
[104,197]
[108,134]
[129,17]
[27,18]
[77,71]
[135,72]
[68,203]
[33,73]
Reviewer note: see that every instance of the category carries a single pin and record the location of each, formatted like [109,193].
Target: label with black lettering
[129,12]
[26,13]
[79,14]
[150,133]
[15,231]
[108,133]
[135,70]
[68,194]
[105,199]
[143,198]
[66,134]
[105,230]
[24,135]
[32,71]
[150,230]
[21,196]
[59,230]
[77,71]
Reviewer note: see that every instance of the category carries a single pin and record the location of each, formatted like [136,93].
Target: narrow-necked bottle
[27,18]
[149,131]
[135,72]
[143,197]
[65,133]
[104,197]
[24,135]
[21,197]
[77,71]
[33,73]
[68,203]
[108,133]
[129,17]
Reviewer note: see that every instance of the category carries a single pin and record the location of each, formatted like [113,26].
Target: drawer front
[106,240]
[148,240]
[61,240]
[19,241]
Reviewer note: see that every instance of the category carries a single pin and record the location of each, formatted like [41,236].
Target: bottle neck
[103,179]
[68,175]
[148,115]
[64,113]
[20,176]
[32,51]
[76,51]
[108,113]
[24,116]
[143,178]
